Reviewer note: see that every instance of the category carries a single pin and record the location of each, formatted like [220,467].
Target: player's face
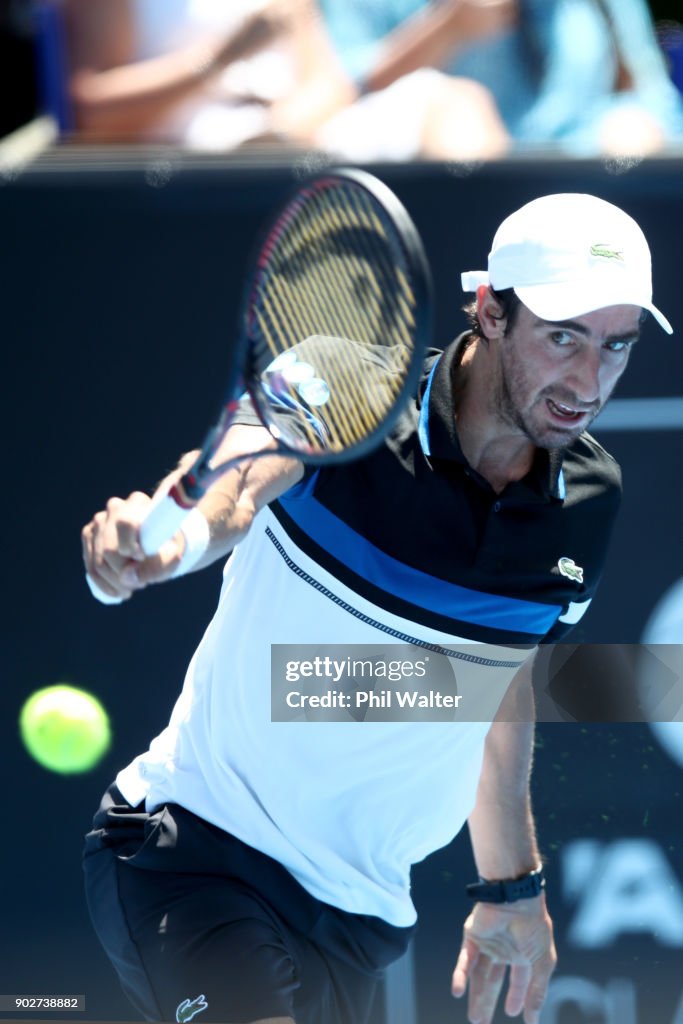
[556,377]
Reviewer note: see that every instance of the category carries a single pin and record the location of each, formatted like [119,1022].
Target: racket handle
[100,594]
[164,519]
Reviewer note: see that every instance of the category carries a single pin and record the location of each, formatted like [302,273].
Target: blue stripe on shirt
[412,585]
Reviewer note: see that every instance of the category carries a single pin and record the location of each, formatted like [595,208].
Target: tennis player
[246,870]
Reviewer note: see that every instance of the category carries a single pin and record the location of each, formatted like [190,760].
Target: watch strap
[508,890]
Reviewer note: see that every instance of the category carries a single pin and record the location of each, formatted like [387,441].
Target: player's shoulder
[588,464]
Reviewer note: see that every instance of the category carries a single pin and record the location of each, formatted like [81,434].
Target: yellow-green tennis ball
[65,729]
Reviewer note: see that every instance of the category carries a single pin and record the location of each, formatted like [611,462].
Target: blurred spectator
[606,88]
[177,70]
[403,57]
[381,79]
[584,75]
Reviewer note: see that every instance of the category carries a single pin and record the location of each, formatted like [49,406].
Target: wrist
[196,534]
[508,890]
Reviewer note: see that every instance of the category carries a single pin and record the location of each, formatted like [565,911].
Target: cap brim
[555,302]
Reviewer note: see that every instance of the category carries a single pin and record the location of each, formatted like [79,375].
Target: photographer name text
[373,699]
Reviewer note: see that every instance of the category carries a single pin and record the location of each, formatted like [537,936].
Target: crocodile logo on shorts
[570,569]
[189,1008]
[607,252]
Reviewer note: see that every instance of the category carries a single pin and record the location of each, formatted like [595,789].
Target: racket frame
[170,509]
[396,218]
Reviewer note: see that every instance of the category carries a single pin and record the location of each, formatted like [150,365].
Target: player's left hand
[501,935]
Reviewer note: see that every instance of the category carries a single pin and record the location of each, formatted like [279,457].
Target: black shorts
[200,925]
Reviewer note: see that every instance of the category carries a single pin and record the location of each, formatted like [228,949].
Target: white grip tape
[164,519]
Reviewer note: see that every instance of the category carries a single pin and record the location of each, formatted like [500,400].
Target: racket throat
[187,491]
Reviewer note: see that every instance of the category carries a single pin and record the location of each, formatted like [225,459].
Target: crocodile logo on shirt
[607,252]
[189,1008]
[570,569]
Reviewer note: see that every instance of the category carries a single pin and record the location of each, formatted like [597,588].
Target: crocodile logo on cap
[607,252]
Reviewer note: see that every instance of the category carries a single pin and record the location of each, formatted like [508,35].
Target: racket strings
[404,296]
[368,237]
[326,278]
[349,418]
[335,307]
[335,292]
[321,280]
[331,227]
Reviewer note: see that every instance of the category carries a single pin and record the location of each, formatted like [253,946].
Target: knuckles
[111,531]
[117,507]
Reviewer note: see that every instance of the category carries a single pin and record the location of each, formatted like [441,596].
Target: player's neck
[498,451]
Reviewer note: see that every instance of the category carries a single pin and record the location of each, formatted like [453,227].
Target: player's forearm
[501,824]
[232,502]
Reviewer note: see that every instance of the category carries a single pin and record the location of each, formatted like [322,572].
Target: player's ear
[491,313]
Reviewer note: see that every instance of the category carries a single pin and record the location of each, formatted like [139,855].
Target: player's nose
[584,378]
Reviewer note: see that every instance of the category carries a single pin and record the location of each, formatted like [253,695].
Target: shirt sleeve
[595,489]
[247,416]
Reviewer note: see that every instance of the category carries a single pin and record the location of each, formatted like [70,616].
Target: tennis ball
[65,729]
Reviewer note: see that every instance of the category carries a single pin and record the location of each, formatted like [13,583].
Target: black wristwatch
[508,890]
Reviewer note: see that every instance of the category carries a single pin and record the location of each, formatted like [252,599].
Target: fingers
[465,964]
[528,988]
[520,976]
[110,545]
[112,555]
[495,938]
[485,979]
[538,987]
[156,568]
[486,982]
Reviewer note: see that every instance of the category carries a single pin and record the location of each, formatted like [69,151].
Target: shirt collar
[439,437]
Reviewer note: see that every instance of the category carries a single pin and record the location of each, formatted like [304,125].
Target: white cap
[569,254]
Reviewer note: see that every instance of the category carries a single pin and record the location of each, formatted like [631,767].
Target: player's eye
[562,338]
[618,346]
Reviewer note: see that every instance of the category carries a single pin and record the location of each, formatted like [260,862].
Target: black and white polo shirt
[414,529]
[407,546]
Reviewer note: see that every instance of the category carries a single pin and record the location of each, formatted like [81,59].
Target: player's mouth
[566,414]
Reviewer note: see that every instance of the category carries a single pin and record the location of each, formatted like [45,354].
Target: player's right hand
[112,555]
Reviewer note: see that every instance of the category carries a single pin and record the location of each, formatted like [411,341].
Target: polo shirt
[417,530]
[407,546]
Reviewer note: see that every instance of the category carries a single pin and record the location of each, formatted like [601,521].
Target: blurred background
[370,80]
[143,146]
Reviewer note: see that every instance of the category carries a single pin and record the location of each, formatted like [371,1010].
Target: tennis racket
[335,318]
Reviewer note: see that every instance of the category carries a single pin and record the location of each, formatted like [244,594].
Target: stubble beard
[508,410]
